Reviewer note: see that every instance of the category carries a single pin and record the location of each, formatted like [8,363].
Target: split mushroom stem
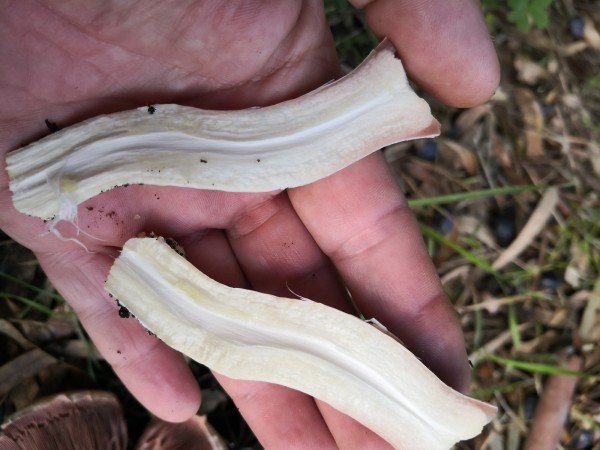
[302,344]
[258,149]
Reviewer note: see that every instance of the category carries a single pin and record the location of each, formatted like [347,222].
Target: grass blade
[507,387]
[514,325]
[538,367]
[30,286]
[30,303]
[472,195]
[430,232]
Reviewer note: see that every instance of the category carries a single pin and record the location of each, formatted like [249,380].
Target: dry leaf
[11,331]
[532,228]
[471,225]
[574,48]
[23,395]
[529,72]
[502,154]
[539,343]
[589,329]
[23,366]
[471,116]
[595,157]
[396,151]
[578,265]
[496,343]
[54,329]
[590,34]
[572,101]
[452,150]
[533,120]
[495,441]
[513,438]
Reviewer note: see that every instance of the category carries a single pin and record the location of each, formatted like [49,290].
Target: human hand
[67,61]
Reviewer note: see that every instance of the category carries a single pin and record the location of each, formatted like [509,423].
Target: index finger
[444,46]
[370,234]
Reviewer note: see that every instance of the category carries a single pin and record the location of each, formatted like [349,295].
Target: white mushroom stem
[304,345]
[259,149]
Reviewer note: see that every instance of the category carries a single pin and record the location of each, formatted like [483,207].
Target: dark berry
[529,404]
[427,150]
[576,26]
[504,229]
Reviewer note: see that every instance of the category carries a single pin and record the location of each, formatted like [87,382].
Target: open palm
[69,60]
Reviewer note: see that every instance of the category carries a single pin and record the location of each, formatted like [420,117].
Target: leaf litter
[508,199]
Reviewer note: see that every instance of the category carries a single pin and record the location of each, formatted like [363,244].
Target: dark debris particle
[150,333]
[583,439]
[89,208]
[428,150]
[110,295]
[529,404]
[551,279]
[258,160]
[171,243]
[504,229]
[151,109]
[119,352]
[576,27]
[175,246]
[51,126]
[123,312]
[203,161]
[443,222]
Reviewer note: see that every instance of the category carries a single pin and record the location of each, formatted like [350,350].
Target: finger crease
[369,239]
[121,364]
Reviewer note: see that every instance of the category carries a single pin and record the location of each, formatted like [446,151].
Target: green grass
[31,287]
[502,387]
[513,325]
[473,195]
[472,258]
[29,303]
[535,367]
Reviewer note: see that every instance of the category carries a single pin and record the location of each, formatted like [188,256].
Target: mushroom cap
[193,434]
[80,420]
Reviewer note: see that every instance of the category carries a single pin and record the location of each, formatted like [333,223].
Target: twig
[532,228]
[547,427]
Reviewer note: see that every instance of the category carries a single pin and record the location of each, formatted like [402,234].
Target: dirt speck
[123,312]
